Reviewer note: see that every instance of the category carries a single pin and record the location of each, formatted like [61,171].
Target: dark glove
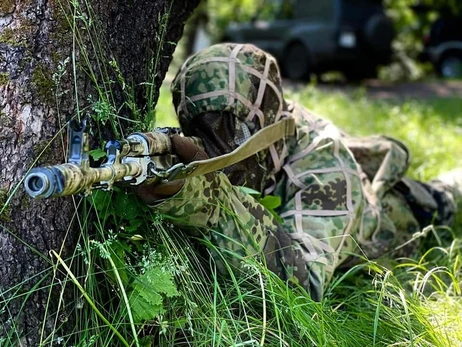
[187,152]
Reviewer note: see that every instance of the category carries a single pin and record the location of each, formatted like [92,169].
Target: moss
[62,15]
[19,36]
[6,6]
[7,36]
[4,78]
[42,80]
[25,201]
[43,153]
[5,216]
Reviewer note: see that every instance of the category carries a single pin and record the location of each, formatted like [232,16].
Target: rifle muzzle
[41,183]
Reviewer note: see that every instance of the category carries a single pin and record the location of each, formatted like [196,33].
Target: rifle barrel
[69,179]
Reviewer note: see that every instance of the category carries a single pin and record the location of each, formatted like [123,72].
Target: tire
[379,33]
[296,62]
[450,65]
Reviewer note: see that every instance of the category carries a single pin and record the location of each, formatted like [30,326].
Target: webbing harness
[256,143]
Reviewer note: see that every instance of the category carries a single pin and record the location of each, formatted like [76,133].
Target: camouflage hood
[240,79]
[241,82]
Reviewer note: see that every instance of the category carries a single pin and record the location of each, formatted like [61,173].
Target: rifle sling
[256,143]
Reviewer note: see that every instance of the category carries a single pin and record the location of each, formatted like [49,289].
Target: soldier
[340,195]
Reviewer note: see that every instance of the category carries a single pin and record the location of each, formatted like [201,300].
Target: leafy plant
[270,202]
[146,297]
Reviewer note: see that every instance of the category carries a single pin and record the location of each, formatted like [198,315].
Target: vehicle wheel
[450,65]
[379,33]
[296,63]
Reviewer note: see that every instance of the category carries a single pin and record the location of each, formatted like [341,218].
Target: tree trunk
[40,90]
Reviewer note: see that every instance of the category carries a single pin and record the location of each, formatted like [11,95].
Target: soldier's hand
[187,152]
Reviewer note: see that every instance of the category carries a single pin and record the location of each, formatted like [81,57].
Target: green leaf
[102,202]
[147,341]
[134,225]
[145,306]
[149,289]
[271,202]
[137,237]
[97,154]
[250,191]
[126,206]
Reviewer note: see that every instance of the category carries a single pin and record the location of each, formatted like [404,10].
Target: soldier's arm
[232,220]
[210,205]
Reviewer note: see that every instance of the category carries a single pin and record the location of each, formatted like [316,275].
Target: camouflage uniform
[340,195]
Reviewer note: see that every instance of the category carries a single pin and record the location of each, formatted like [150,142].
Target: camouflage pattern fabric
[340,195]
[235,222]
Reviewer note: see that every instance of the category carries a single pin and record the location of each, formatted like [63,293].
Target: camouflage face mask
[221,134]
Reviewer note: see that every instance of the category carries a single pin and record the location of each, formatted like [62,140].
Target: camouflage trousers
[412,206]
[406,206]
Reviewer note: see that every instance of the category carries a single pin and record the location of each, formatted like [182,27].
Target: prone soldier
[340,195]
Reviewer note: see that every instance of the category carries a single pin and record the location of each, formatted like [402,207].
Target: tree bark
[39,92]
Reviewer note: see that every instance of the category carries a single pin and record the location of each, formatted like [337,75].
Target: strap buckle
[180,170]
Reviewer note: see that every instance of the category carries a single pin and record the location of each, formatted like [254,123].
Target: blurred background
[349,40]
